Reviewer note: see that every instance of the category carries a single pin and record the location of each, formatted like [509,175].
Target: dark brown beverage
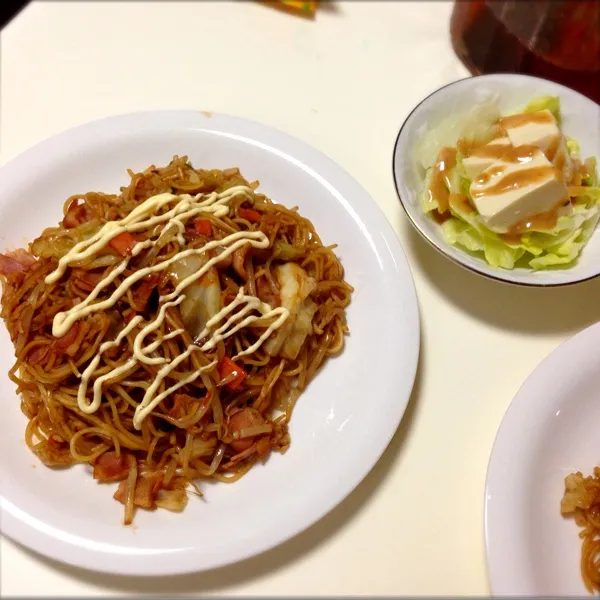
[553,39]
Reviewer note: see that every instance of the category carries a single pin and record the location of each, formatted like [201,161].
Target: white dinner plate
[551,429]
[341,424]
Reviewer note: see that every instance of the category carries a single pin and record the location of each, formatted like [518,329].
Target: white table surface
[343,83]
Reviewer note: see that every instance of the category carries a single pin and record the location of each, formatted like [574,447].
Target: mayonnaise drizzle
[138,351]
[63,321]
[148,404]
[137,220]
[143,218]
[89,371]
[229,328]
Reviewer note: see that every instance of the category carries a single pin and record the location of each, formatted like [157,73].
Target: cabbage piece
[202,298]
[573,147]
[592,168]
[537,243]
[589,193]
[454,180]
[550,260]
[551,103]
[458,232]
[55,242]
[284,251]
[562,254]
[568,250]
[174,500]
[473,236]
[295,288]
[562,245]
[477,123]
[500,254]
[427,201]
[470,216]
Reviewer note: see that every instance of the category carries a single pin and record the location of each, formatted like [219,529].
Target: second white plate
[551,429]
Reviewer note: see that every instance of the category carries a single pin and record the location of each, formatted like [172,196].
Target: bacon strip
[86,280]
[53,453]
[146,491]
[77,214]
[70,342]
[266,294]
[17,261]
[110,467]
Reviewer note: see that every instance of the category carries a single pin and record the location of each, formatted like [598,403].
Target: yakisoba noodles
[582,501]
[163,335]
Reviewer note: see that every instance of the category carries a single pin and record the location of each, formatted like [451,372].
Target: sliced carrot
[203,227]
[123,243]
[227,369]
[250,215]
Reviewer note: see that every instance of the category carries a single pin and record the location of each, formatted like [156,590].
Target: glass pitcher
[553,39]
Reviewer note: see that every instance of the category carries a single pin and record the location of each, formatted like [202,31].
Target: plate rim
[499,574]
[184,119]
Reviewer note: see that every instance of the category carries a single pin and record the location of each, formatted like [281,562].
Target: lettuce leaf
[573,147]
[589,194]
[428,202]
[500,254]
[458,232]
[539,250]
[551,103]
[569,250]
[476,123]
[591,164]
[536,249]
[496,252]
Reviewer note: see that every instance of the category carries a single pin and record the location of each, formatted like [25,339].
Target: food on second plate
[512,189]
[164,334]
[581,500]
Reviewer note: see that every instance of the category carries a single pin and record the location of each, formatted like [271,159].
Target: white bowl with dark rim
[580,121]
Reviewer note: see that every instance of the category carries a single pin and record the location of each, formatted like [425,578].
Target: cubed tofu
[531,129]
[540,129]
[523,183]
[485,156]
